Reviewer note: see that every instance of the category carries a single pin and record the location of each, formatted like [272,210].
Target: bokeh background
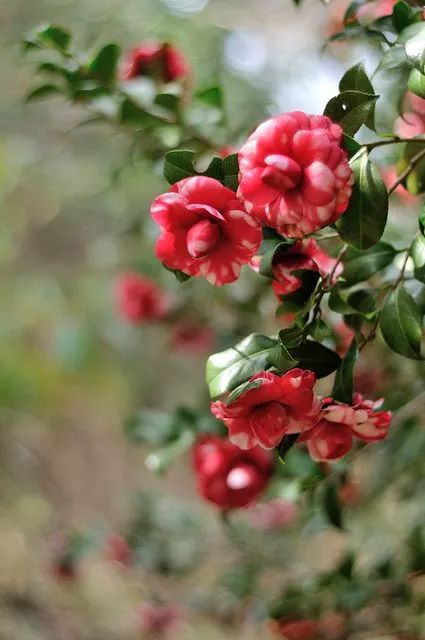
[75,205]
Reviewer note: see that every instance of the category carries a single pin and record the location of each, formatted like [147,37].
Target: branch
[412,164]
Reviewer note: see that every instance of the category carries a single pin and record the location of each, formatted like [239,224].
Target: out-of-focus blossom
[294,173]
[368,12]
[389,175]
[205,230]
[350,493]
[274,514]
[160,61]
[274,407]
[191,337]
[228,476]
[297,629]
[158,619]
[344,336]
[140,299]
[118,550]
[333,626]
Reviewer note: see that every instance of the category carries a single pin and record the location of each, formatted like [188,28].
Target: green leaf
[402,15]
[415,50]
[179,165]
[179,275]
[421,220]
[319,330]
[168,101]
[343,386]
[332,505]
[416,83]
[230,166]
[417,253]
[356,79]
[350,145]
[351,109]
[301,300]
[243,388]
[290,337]
[212,96]
[133,115]
[270,250]
[52,37]
[43,91]
[230,368]
[363,302]
[104,64]
[363,224]
[361,265]
[390,81]
[401,324]
[316,357]
[156,427]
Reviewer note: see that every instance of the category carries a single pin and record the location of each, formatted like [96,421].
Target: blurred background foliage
[75,201]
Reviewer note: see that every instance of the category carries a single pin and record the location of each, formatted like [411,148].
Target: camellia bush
[304,201]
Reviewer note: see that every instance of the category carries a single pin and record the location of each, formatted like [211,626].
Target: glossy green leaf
[361,265]
[212,96]
[243,388]
[402,15]
[230,166]
[230,368]
[316,357]
[415,50]
[50,36]
[351,109]
[390,81]
[104,64]
[401,324]
[350,145]
[416,83]
[363,224]
[356,79]
[343,386]
[417,253]
[179,165]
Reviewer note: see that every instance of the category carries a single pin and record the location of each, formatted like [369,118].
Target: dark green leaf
[332,505]
[43,91]
[319,330]
[351,109]
[230,368]
[361,265]
[401,324]
[356,79]
[167,101]
[402,15]
[231,171]
[179,165]
[343,386]
[179,275]
[421,220]
[104,64]
[51,36]
[363,224]
[417,253]
[302,299]
[316,357]
[351,146]
[290,337]
[363,302]
[135,116]
[156,427]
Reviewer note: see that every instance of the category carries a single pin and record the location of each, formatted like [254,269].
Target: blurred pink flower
[188,336]
[159,619]
[274,514]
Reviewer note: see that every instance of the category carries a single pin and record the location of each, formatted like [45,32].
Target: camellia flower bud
[294,174]
[205,230]
[140,299]
[158,61]
[278,406]
[227,476]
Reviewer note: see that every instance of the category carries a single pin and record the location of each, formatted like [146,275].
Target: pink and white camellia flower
[332,437]
[206,230]
[294,174]
[280,405]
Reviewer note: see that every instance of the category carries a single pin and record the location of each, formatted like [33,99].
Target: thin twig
[382,143]
[412,164]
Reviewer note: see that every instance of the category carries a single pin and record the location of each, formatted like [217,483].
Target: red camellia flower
[305,254]
[159,61]
[294,175]
[140,299]
[227,476]
[301,629]
[332,437]
[205,230]
[118,550]
[275,407]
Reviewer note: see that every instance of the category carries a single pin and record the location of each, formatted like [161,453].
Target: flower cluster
[280,405]
[294,177]
[227,476]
